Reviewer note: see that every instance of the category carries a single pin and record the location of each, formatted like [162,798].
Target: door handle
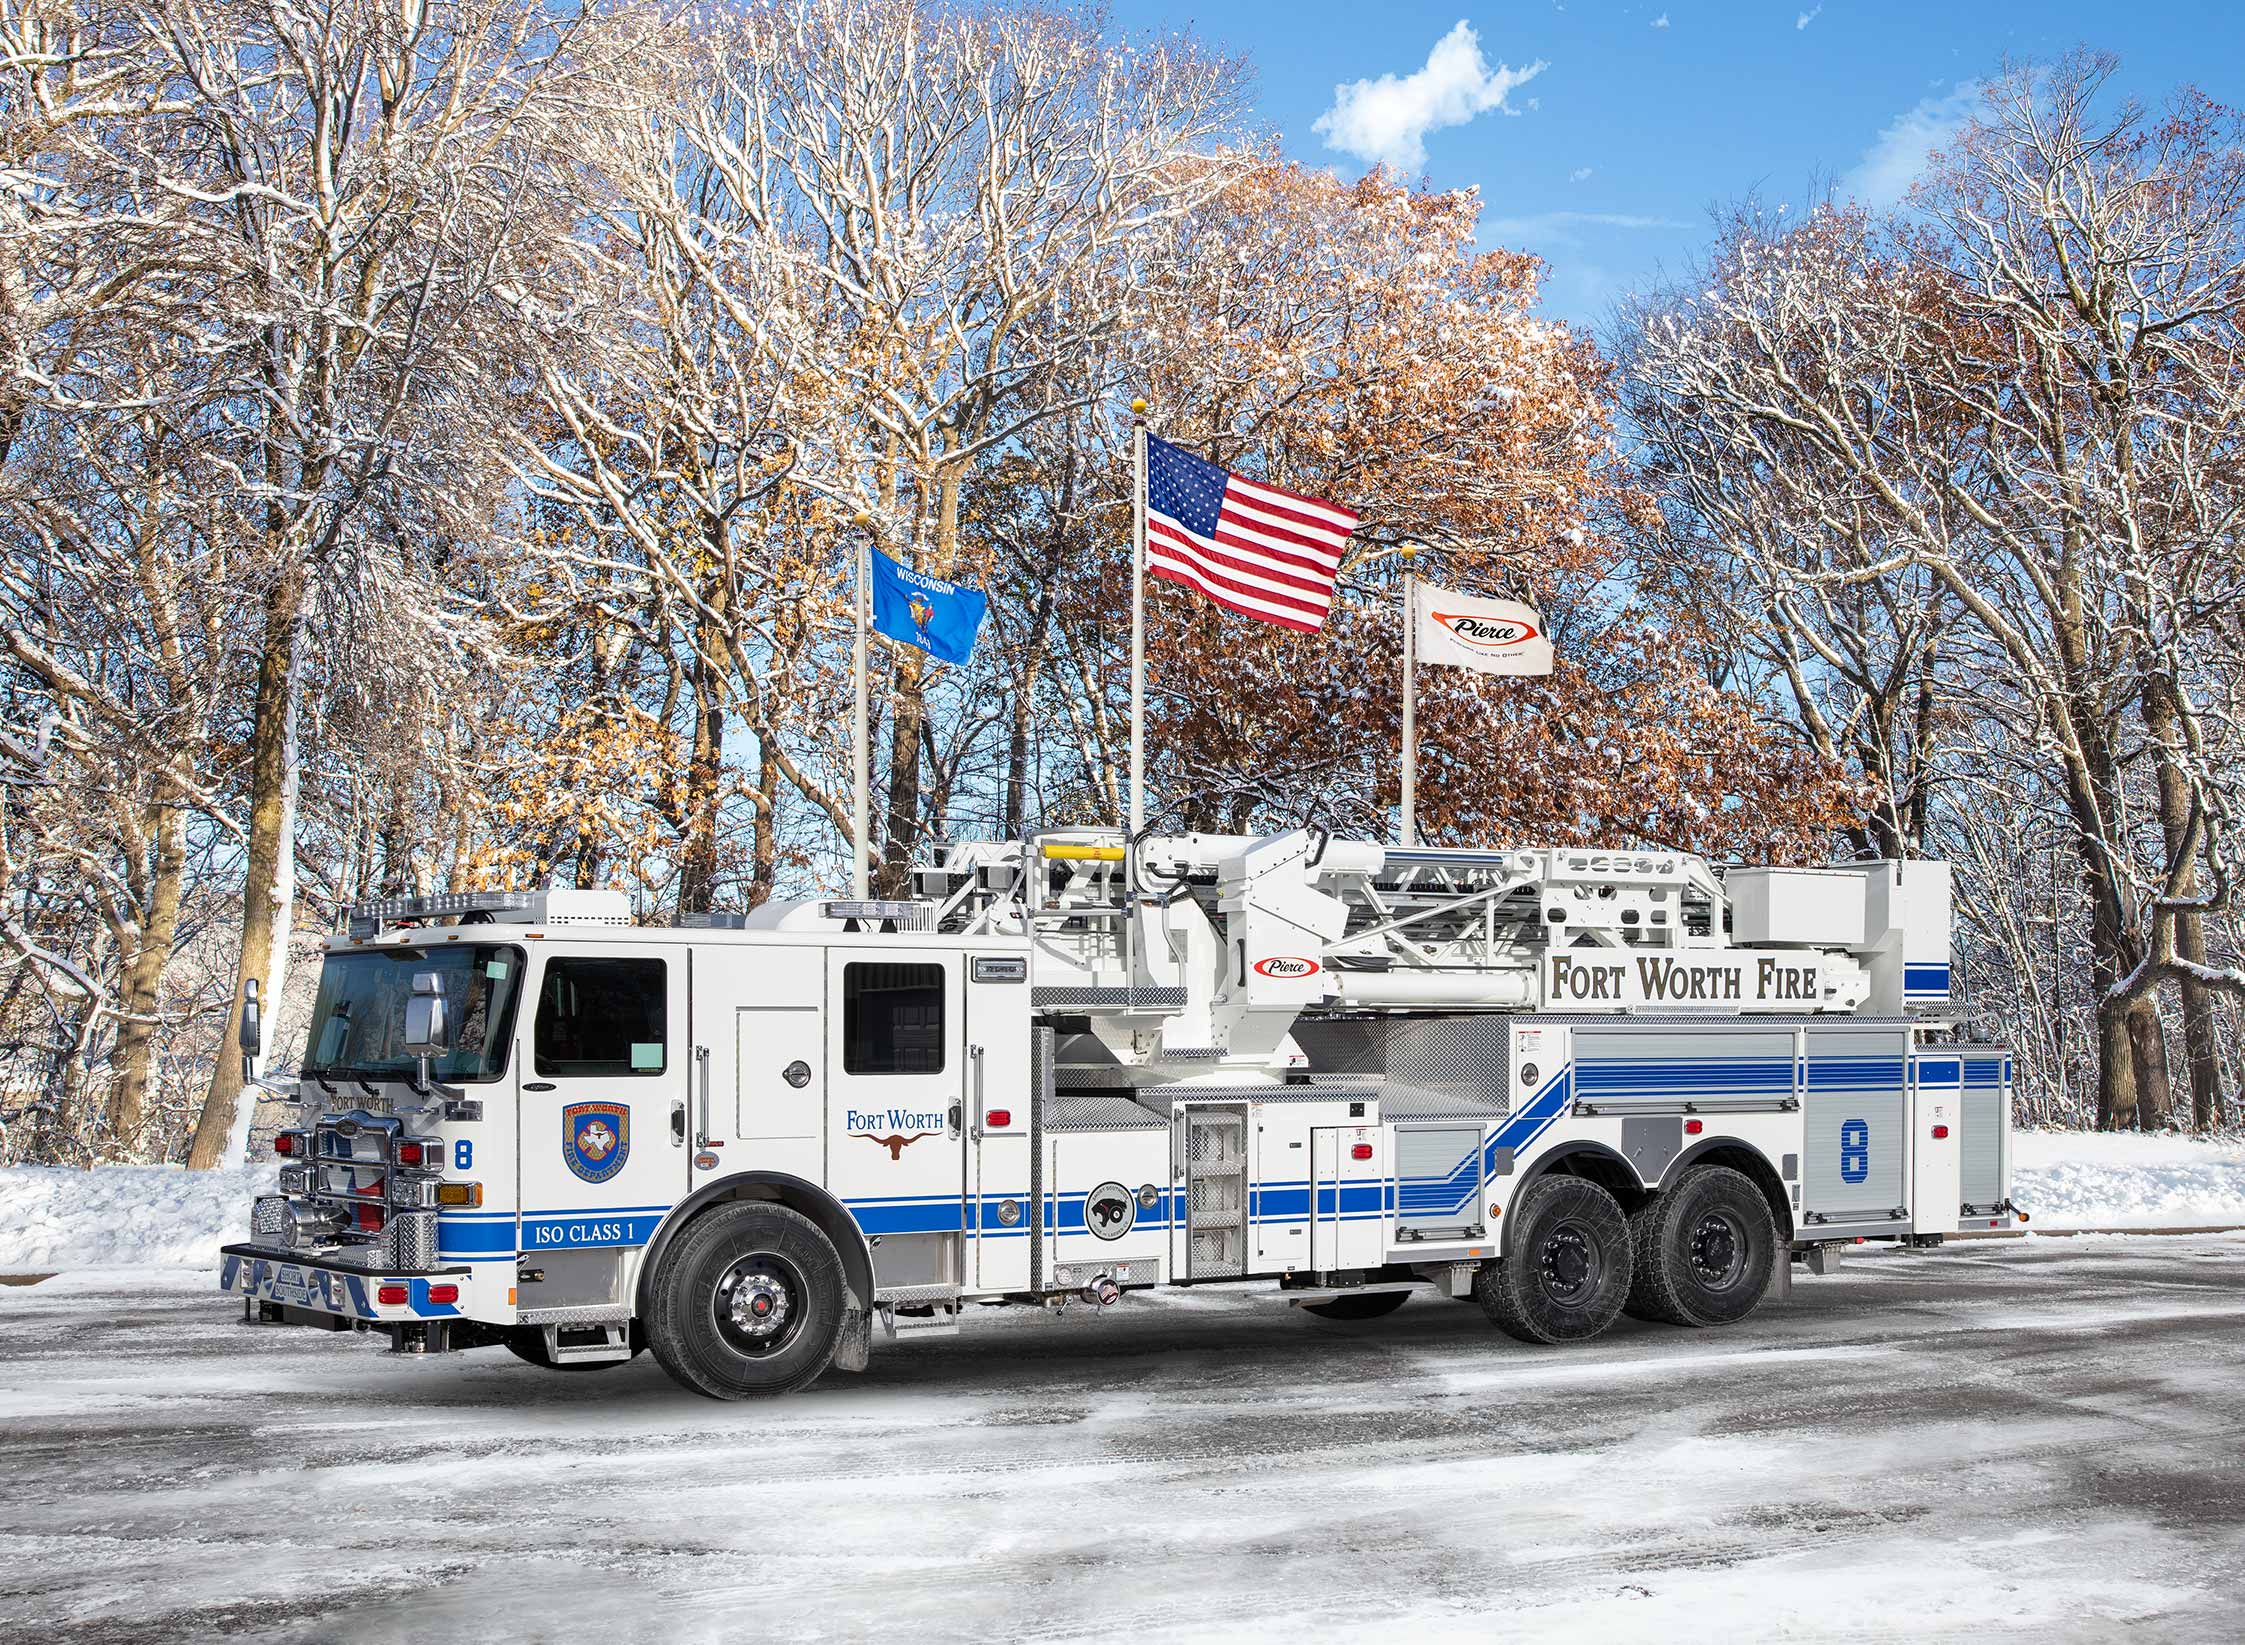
[974,1062]
[678,1123]
[701,1073]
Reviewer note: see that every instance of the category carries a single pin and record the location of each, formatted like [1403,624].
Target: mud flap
[855,1345]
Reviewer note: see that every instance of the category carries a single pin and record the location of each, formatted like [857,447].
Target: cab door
[604,1089]
[896,1077]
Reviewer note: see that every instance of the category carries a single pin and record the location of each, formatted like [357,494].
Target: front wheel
[1566,1272]
[747,1301]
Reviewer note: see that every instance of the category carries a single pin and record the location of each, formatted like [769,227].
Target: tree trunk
[764,846]
[144,979]
[2201,1039]
[705,769]
[2147,1044]
[269,889]
[892,877]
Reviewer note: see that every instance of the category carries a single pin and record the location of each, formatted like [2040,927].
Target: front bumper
[259,1274]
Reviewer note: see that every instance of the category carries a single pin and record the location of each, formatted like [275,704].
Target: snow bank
[2087,1179]
[118,1216]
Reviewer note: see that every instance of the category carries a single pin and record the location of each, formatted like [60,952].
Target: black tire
[1377,1305]
[1704,1249]
[747,1301]
[1566,1273]
[528,1344]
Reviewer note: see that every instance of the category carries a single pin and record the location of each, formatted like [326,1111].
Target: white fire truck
[1563,1084]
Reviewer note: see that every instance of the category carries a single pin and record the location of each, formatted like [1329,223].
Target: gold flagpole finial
[1138,408]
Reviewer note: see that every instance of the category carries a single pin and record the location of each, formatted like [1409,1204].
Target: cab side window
[601,1017]
[892,1018]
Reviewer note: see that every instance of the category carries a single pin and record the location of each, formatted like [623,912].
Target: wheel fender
[1608,1161]
[778,1188]
[1767,1177]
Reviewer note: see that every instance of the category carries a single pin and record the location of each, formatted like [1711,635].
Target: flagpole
[1137,617]
[1410,695]
[861,781]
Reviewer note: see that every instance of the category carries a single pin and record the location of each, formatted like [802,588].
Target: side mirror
[251,1037]
[427,1033]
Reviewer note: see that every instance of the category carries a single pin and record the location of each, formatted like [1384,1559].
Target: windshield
[358,1022]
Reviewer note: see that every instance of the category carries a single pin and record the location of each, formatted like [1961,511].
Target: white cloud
[1890,165]
[1661,21]
[1808,17]
[1561,229]
[1580,174]
[1387,119]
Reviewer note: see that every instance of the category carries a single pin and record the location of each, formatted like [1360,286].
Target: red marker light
[444,1293]
[1692,1128]
[390,1296]
[285,1143]
[1940,1133]
[1001,1116]
[1362,1150]
[409,1153]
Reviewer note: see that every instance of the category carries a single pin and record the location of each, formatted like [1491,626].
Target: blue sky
[1606,159]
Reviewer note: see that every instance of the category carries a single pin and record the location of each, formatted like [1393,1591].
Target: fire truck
[1562,1084]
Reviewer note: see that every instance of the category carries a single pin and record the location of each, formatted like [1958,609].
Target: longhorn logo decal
[895,1144]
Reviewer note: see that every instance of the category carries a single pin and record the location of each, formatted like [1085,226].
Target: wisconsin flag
[1494,636]
[939,617]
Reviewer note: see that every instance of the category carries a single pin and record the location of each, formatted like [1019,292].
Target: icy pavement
[2035,1439]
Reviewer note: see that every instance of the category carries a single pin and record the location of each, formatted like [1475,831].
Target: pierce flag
[1493,636]
[939,617]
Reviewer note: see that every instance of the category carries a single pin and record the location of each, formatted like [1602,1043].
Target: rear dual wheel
[1704,1250]
[1566,1271]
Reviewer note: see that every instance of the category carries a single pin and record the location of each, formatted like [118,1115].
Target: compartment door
[1348,1181]
[1855,1142]
[1936,1140]
[1984,1157]
[1001,1090]
[1438,1181]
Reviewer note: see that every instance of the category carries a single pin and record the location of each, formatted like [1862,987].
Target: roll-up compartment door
[1622,1068]
[1986,1139]
[1854,1116]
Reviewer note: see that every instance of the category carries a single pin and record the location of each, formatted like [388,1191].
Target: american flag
[1250,547]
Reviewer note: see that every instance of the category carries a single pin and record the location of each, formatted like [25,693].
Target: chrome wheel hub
[757,1301]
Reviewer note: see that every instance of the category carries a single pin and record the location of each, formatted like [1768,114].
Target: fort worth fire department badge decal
[595,1139]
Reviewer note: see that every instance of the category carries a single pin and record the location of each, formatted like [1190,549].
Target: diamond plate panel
[1216,1192]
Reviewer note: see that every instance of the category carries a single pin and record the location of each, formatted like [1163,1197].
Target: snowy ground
[2033,1440]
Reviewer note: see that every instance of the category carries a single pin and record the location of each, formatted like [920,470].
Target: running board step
[1334,1293]
[587,1344]
[919,1319]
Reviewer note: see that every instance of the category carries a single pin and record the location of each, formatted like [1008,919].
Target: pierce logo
[1487,633]
[1285,967]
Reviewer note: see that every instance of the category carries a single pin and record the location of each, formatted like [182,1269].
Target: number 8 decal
[463,1155]
[1855,1150]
